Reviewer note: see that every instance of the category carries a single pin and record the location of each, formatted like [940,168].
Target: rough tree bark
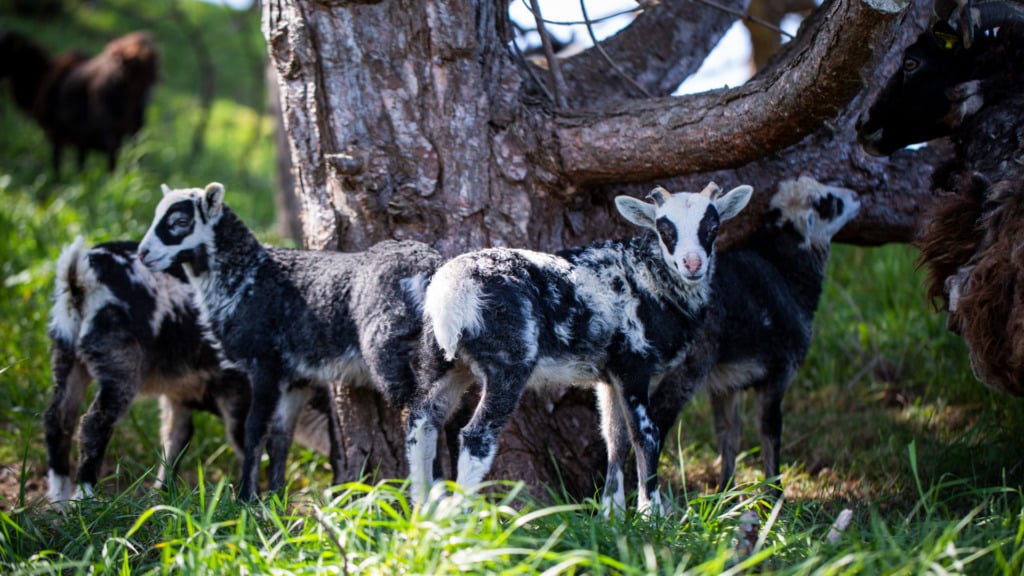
[413,119]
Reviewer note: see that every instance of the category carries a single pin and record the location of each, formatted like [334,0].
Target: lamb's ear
[165,189]
[730,203]
[636,211]
[213,200]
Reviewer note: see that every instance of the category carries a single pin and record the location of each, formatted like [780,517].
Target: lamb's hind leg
[266,395]
[119,374]
[728,429]
[501,388]
[426,418]
[70,380]
[175,433]
[282,431]
[615,431]
[647,446]
[769,408]
[334,431]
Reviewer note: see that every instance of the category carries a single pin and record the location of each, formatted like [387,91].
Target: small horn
[711,191]
[660,195]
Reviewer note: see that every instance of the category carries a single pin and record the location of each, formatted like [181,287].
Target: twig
[529,70]
[556,72]
[604,54]
[744,16]
[329,530]
[597,20]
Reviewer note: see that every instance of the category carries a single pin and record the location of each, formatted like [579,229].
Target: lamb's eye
[180,221]
[910,64]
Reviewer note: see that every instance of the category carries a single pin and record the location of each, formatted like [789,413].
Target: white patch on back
[452,304]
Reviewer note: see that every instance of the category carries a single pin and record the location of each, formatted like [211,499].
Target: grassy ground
[884,419]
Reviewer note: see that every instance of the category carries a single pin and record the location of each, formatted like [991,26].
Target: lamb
[760,321]
[134,332]
[971,236]
[283,316]
[88,103]
[618,315]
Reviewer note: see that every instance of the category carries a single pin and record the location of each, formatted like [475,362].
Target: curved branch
[895,191]
[659,49]
[729,128]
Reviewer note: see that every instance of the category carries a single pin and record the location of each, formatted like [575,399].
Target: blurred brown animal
[87,103]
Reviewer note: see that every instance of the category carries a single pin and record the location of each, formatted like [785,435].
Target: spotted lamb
[618,315]
[134,332]
[287,316]
[760,322]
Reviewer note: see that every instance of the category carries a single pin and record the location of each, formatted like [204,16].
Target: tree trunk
[413,119]
[286,203]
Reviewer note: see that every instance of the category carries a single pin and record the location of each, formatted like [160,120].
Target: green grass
[884,419]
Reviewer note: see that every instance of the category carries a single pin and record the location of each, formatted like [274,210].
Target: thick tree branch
[729,128]
[895,192]
[660,49]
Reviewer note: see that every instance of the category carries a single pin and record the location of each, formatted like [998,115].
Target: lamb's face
[183,222]
[815,212]
[686,223]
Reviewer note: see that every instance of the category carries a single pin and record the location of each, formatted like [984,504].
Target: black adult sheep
[971,241]
[86,103]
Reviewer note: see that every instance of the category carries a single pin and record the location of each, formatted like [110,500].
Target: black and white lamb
[617,314]
[760,321]
[285,316]
[134,332]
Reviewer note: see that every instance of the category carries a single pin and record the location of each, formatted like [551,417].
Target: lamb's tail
[73,281]
[451,306]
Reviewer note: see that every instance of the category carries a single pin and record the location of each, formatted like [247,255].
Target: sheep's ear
[636,211]
[165,189]
[730,203]
[213,200]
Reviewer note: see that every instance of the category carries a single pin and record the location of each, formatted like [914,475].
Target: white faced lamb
[135,332]
[761,318]
[617,314]
[284,316]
